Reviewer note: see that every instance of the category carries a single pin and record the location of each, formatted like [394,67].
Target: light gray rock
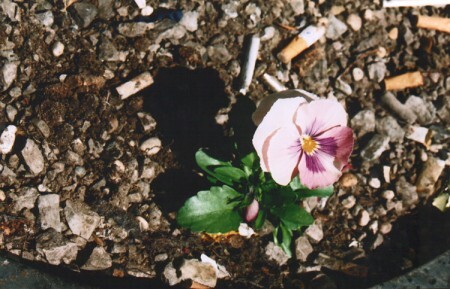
[33,157]
[147,121]
[57,49]
[11,112]
[390,127]
[363,122]
[99,260]
[343,87]
[407,192]
[426,112]
[219,53]
[298,6]
[275,253]
[199,272]
[43,128]
[81,220]
[8,74]
[357,73]
[135,29]
[303,248]
[11,9]
[56,248]
[335,28]
[151,146]
[377,71]
[404,112]
[49,212]
[7,139]
[46,18]
[314,233]
[189,20]
[105,9]
[354,21]
[376,146]
[84,13]
[25,198]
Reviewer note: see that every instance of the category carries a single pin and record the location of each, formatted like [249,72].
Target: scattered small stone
[25,198]
[269,33]
[349,202]
[298,6]
[194,270]
[387,174]
[378,241]
[376,146]
[407,193]
[375,183]
[147,121]
[419,134]
[46,18]
[7,139]
[426,112]
[151,146]
[245,231]
[140,3]
[377,71]
[99,260]
[135,29]
[56,248]
[357,73]
[343,87]
[335,28]
[275,253]
[8,74]
[363,122]
[57,49]
[393,33]
[135,85]
[81,220]
[49,212]
[2,196]
[354,21]
[364,218]
[33,157]
[348,180]
[429,175]
[303,248]
[314,233]
[11,112]
[147,11]
[390,127]
[189,21]
[388,195]
[84,13]
[385,228]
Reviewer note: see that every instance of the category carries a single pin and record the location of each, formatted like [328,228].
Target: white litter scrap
[221,272]
[135,85]
[414,3]
[245,231]
[420,134]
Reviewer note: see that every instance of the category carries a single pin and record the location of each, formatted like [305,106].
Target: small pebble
[358,74]
[393,33]
[7,139]
[364,218]
[375,183]
[147,11]
[58,49]
[269,32]
[385,228]
[354,21]
[348,180]
[2,196]
[151,146]
[140,3]
[349,202]
[388,195]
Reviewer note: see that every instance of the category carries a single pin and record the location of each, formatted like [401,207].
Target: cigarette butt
[407,80]
[249,63]
[389,100]
[135,85]
[301,42]
[273,83]
[433,23]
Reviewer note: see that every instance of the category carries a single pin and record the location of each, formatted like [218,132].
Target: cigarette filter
[249,63]
[407,80]
[434,23]
[305,39]
[273,83]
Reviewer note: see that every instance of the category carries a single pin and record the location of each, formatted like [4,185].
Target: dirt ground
[92,181]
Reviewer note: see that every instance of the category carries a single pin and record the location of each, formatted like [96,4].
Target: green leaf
[222,171]
[293,216]
[260,219]
[250,160]
[303,192]
[286,235]
[212,211]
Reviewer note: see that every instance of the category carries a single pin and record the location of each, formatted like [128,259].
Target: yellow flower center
[309,145]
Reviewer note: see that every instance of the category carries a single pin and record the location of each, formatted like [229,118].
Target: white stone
[147,11]
[58,49]
[364,218]
[303,248]
[335,28]
[245,231]
[276,254]
[349,202]
[298,6]
[199,272]
[33,157]
[221,272]
[358,74]
[189,21]
[25,198]
[375,183]
[135,85]
[388,195]
[8,74]
[354,21]
[151,146]
[269,33]
[49,212]
[314,233]
[11,112]
[7,139]
[81,220]
[66,253]
[143,224]
[99,260]
[418,134]
[2,196]
[141,3]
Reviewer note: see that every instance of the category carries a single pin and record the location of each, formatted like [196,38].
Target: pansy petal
[283,153]
[280,115]
[318,170]
[320,115]
[337,142]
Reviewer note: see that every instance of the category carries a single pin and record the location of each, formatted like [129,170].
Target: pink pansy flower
[311,140]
